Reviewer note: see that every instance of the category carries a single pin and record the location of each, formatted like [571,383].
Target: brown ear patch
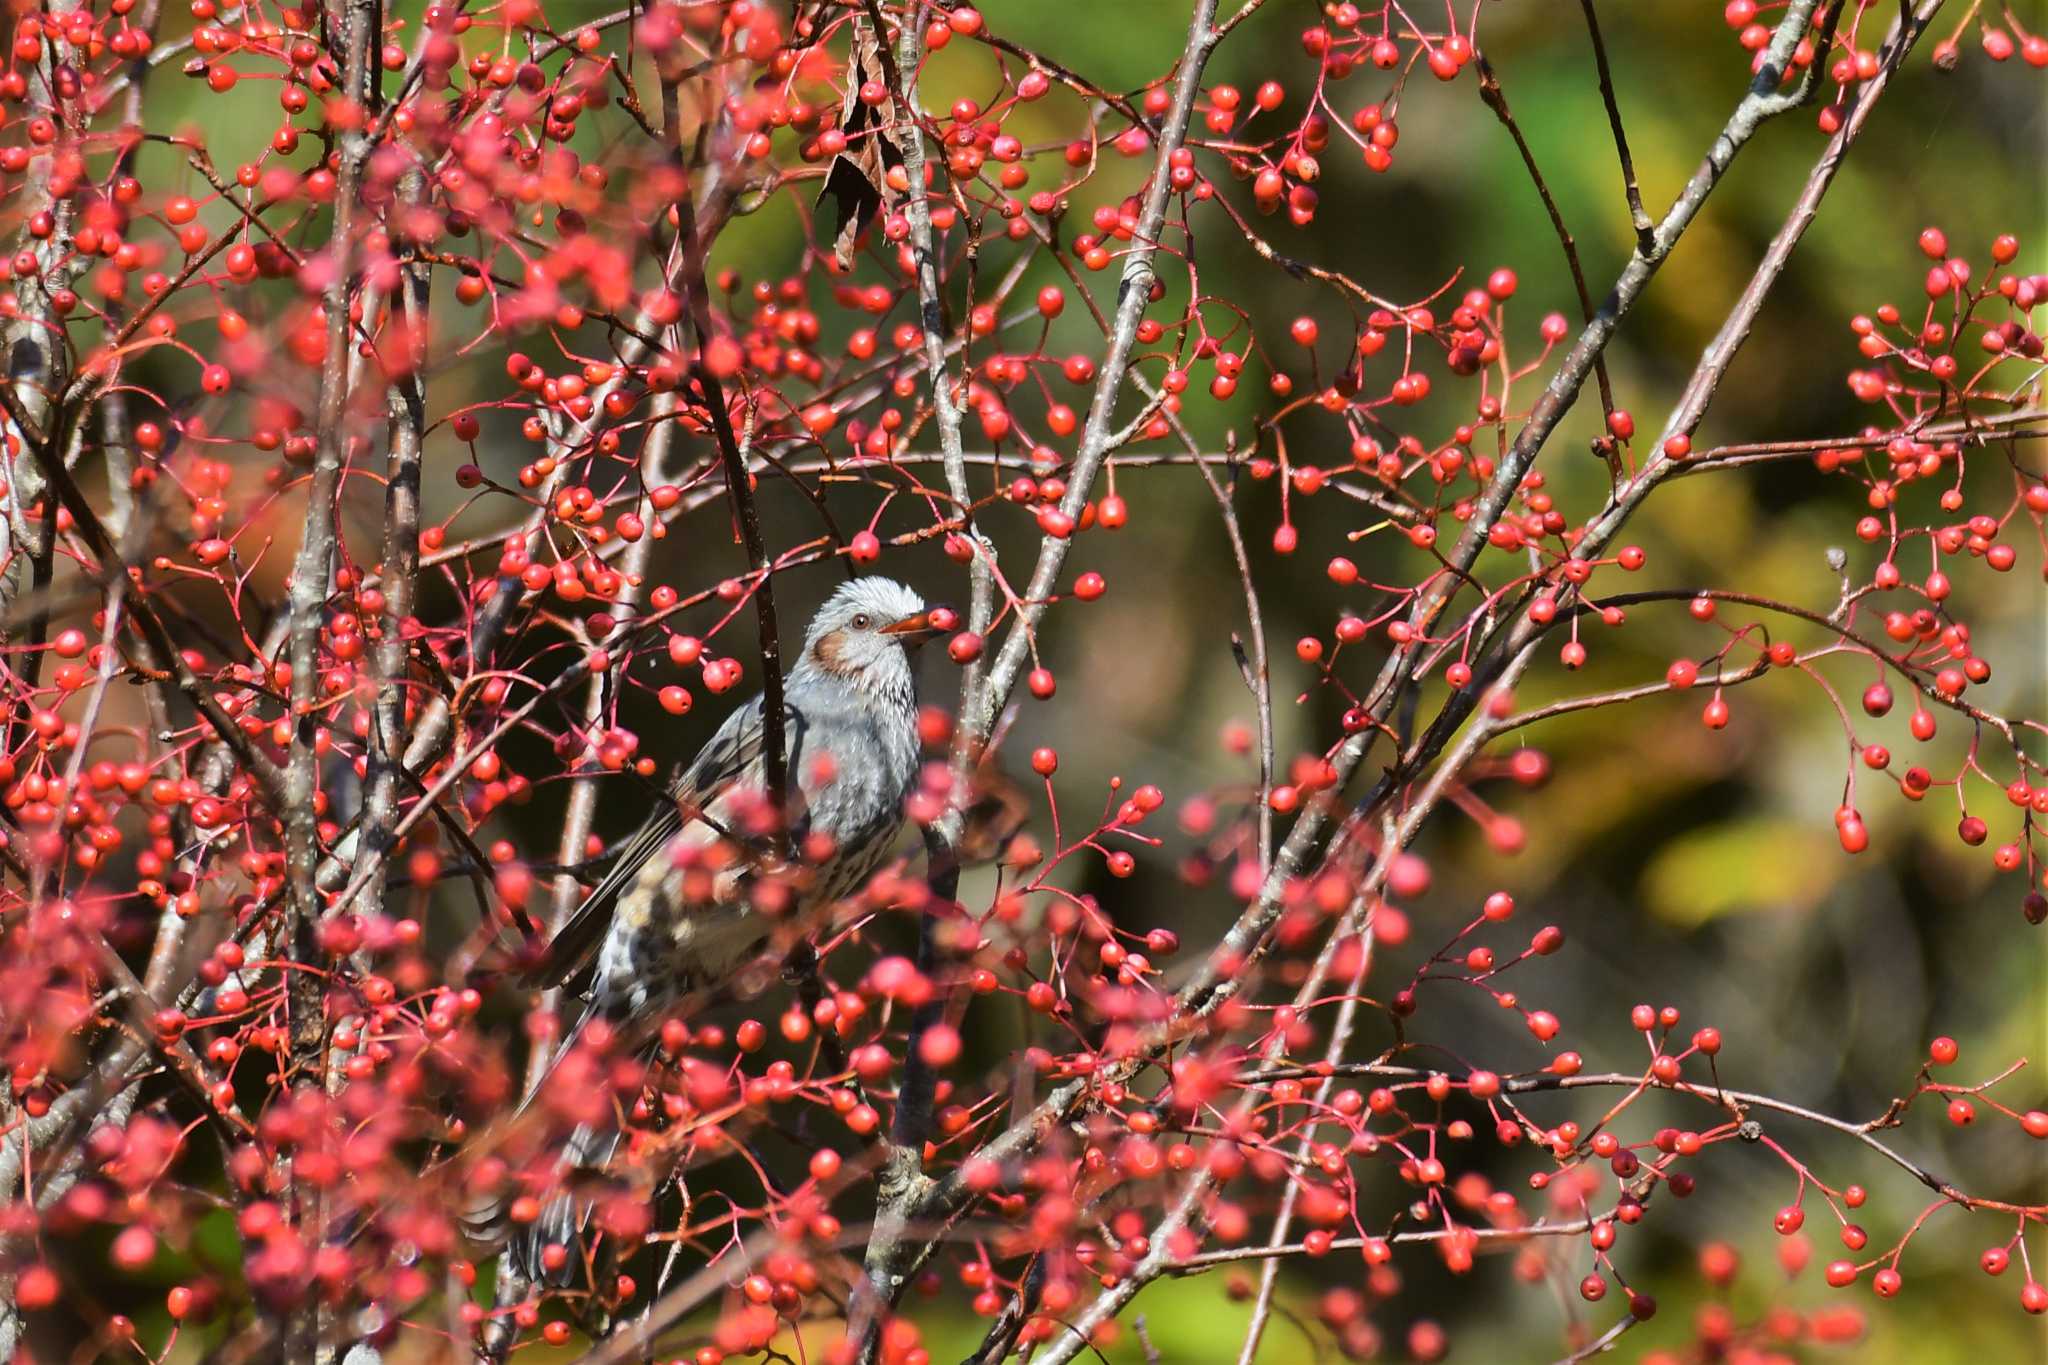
[827,651]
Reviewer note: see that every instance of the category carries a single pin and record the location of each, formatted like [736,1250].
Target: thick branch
[894,1256]
[738,484]
[902,1181]
[1134,293]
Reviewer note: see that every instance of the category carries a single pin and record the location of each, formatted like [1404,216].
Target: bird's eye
[862,621]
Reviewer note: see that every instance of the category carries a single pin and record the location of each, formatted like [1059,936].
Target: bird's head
[863,637]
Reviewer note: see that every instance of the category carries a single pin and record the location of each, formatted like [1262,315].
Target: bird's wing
[725,759]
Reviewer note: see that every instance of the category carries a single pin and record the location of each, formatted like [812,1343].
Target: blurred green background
[1687,868]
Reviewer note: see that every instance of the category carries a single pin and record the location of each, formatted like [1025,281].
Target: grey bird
[676,913]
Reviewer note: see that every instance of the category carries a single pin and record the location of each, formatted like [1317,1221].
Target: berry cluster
[375,506]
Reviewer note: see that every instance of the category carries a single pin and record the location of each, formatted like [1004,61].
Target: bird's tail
[561,1219]
[587,1149]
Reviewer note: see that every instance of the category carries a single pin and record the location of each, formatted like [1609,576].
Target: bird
[659,928]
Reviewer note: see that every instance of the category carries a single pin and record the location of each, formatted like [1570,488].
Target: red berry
[1855,838]
[36,1287]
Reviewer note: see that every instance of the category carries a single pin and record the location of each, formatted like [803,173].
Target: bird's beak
[921,627]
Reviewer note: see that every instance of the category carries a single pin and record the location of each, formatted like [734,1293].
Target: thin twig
[1496,99]
[1601,1344]
[1638,216]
